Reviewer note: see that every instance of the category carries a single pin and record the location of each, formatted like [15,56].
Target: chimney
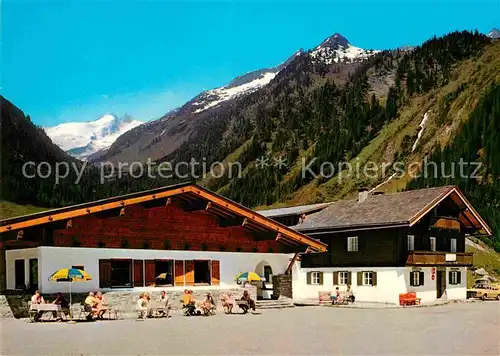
[378,192]
[362,194]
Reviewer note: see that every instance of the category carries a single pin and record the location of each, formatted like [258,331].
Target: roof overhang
[341,229]
[469,216]
[217,205]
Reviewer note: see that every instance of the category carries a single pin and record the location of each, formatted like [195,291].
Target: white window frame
[454,277]
[415,276]
[352,244]
[410,240]
[432,241]
[343,277]
[368,278]
[453,245]
[315,278]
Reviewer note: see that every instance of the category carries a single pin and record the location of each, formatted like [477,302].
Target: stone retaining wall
[16,305]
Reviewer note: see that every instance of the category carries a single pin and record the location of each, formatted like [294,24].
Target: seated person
[101,304]
[188,302]
[166,302]
[208,304]
[228,302]
[60,300]
[350,294]
[90,306]
[142,306]
[250,301]
[335,297]
[37,299]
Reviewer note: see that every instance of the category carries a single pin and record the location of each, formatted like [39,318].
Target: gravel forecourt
[457,328]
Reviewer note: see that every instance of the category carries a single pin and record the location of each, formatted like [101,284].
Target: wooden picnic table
[154,308]
[47,308]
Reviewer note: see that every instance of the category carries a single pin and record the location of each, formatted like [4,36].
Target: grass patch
[10,210]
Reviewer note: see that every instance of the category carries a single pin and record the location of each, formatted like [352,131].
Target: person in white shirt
[37,299]
[142,307]
[165,301]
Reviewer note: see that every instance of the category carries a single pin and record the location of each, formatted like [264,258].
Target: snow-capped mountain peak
[337,49]
[82,139]
[494,33]
[242,85]
[214,97]
[335,41]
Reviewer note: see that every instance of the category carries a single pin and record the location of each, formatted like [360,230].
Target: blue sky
[76,60]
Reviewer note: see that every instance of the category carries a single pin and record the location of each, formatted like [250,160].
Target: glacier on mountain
[82,139]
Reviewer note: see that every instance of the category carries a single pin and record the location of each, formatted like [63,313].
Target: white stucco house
[387,245]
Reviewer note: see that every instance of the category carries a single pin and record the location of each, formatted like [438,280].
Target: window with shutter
[368,278]
[352,243]
[316,278]
[215,269]
[342,278]
[454,277]
[416,278]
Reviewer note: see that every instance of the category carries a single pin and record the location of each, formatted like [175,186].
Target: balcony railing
[430,258]
[445,223]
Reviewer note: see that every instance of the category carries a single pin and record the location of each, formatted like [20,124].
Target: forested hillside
[336,111]
[478,140]
[334,123]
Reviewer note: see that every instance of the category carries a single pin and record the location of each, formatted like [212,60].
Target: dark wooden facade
[388,247]
[140,226]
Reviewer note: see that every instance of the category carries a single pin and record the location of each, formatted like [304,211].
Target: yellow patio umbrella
[248,276]
[70,275]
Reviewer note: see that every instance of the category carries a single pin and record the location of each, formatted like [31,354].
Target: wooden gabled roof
[214,203]
[391,210]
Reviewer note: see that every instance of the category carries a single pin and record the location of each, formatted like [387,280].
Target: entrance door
[33,275]
[19,274]
[440,283]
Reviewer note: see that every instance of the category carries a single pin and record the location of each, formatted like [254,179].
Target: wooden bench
[409,299]
[325,297]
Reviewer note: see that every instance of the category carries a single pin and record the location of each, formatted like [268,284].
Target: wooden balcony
[445,223]
[430,258]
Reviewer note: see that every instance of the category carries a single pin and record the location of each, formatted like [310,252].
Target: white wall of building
[54,258]
[459,291]
[11,257]
[391,281]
